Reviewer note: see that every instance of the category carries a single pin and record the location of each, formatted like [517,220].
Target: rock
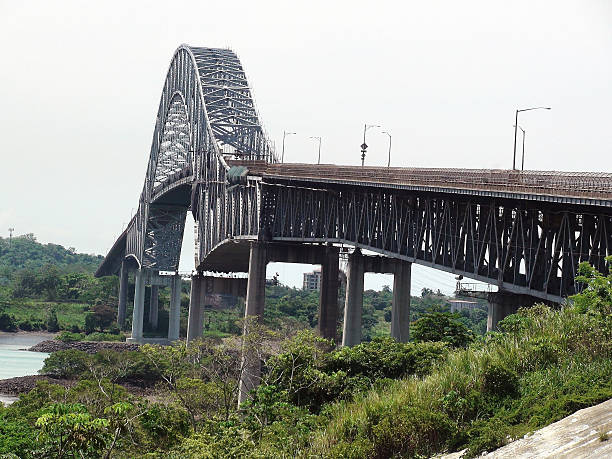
[581,435]
[91,347]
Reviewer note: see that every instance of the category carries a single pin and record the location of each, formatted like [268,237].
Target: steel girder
[521,246]
[206,113]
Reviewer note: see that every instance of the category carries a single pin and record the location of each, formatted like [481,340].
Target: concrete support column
[138,315]
[123,290]
[255,302]
[194,323]
[174,323]
[503,303]
[400,309]
[328,309]
[353,306]
[154,307]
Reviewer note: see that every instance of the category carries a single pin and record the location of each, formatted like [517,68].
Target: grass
[68,314]
[553,364]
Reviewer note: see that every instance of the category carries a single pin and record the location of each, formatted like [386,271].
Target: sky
[80,84]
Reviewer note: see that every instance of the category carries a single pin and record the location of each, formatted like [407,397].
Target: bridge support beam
[255,302]
[174,324]
[194,323]
[503,303]
[328,309]
[154,307]
[123,290]
[353,306]
[400,309]
[138,314]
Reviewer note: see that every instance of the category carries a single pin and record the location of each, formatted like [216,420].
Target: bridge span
[523,231]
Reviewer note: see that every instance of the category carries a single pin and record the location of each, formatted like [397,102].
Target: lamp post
[388,162]
[319,139]
[364,145]
[285,134]
[523,155]
[516,125]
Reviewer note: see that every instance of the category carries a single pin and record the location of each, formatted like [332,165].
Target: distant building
[312,281]
[459,305]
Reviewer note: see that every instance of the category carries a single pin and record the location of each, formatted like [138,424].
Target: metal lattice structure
[525,232]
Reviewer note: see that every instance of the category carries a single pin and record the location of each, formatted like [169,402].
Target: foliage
[441,326]
[545,365]
[313,376]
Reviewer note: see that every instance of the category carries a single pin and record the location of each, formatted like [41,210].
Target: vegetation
[450,388]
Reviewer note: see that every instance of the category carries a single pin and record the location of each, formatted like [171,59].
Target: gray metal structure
[525,232]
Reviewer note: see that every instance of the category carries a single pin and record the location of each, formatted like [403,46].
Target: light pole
[389,162]
[285,134]
[515,129]
[523,155]
[319,139]
[364,145]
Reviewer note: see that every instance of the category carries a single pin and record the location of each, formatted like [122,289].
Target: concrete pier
[400,309]
[255,302]
[328,309]
[503,303]
[353,306]
[194,322]
[138,314]
[123,290]
[174,323]
[154,307]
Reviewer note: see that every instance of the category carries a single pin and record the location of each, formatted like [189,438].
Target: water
[15,361]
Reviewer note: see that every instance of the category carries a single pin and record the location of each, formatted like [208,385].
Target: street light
[389,162]
[515,129]
[285,134]
[319,139]
[364,145]
[523,156]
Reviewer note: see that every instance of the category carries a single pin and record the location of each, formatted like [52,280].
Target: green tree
[441,326]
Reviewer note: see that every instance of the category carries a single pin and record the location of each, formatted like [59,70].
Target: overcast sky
[80,84]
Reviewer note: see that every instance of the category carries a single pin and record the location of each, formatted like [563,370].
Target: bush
[7,322]
[97,336]
[66,364]
[68,337]
[52,322]
[441,326]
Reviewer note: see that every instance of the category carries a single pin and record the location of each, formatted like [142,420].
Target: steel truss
[206,112]
[520,246]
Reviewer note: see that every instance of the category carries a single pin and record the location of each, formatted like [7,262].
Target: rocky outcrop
[24,384]
[91,347]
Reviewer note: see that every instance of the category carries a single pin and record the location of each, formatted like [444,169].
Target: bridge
[522,231]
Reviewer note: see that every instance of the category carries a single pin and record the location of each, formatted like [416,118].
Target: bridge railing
[593,185]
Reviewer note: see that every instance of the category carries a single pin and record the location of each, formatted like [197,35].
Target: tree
[100,316]
[52,322]
[441,326]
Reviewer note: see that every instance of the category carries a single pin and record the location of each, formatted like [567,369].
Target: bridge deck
[576,187]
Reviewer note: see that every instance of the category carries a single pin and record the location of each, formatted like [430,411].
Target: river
[16,361]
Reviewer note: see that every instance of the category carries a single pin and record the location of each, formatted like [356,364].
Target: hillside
[24,251]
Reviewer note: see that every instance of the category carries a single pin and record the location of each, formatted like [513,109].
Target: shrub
[66,364]
[68,337]
[7,322]
[441,326]
[52,322]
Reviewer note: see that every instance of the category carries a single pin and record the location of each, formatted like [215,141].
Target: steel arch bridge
[525,232]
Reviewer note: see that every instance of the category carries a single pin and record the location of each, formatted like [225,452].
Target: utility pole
[11,235]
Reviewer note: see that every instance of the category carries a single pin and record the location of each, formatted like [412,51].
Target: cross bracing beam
[522,247]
